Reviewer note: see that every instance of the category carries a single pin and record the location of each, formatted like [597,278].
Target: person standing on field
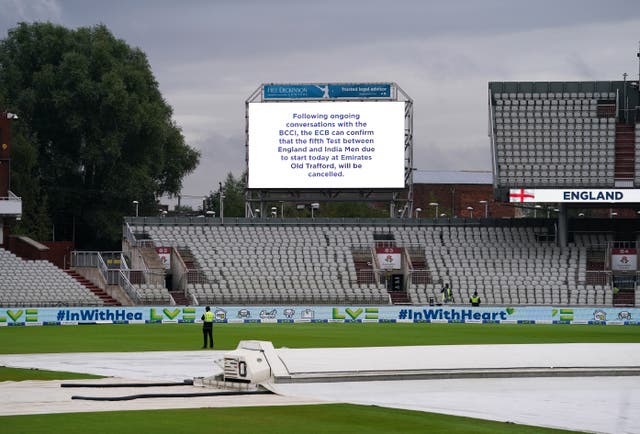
[207,327]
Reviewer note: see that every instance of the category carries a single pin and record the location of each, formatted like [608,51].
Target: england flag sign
[608,196]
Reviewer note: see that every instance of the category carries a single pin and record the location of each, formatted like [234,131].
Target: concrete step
[106,298]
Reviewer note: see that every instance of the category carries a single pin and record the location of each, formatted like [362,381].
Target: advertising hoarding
[326,91]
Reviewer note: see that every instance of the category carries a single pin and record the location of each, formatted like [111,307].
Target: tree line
[94,133]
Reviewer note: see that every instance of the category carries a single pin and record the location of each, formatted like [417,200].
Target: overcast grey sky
[209,56]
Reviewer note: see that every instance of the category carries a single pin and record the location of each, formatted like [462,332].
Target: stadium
[552,243]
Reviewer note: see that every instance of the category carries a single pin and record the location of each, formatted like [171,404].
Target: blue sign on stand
[325,91]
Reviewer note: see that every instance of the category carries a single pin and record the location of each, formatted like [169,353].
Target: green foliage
[233,200]
[36,221]
[234,204]
[94,131]
[183,209]
[351,210]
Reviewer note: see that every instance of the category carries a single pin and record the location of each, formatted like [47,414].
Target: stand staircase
[399,297]
[625,152]
[363,263]
[596,266]
[106,298]
[194,275]
[180,298]
[626,297]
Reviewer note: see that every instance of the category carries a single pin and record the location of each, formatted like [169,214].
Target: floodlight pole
[221,204]
[486,207]
[436,204]
[625,105]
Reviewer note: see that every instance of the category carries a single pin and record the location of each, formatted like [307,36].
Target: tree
[351,210]
[234,204]
[95,133]
[233,201]
[35,220]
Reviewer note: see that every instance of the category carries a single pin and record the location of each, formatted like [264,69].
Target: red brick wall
[462,196]
[20,247]
[58,252]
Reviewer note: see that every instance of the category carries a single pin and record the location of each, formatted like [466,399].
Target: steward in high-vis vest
[207,327]
[475,299]
[447,294]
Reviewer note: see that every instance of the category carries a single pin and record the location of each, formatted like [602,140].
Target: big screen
[304,145]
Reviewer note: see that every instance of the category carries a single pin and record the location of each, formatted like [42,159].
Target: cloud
[220,156]
[447,77]
[208,57]
[14,11]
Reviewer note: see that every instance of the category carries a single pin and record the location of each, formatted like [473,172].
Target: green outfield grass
[312,419]
[16,374]
[181,337]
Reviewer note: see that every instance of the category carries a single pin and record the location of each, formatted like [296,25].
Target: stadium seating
[505,266]
[274,264]
[555,139]
[152,294]
[39,284]
[268,264]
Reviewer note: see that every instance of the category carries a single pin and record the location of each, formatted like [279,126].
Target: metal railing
[123,262]
[492,135]
[420,277]
[146,243]
[597,278]
[622,245]
[104,270]
[367,277]
[318,221]
[11,196]
[128,287]
[84,258]
[302,299]
[193,276]
[128,234]
[120,276]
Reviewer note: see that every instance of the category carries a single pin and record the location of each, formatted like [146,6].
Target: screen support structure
[400,200]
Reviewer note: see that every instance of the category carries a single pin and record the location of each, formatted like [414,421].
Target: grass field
[184,337]
[312,419]
[15,374]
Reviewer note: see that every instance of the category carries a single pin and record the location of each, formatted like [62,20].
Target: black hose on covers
[184,383]
[170,395]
